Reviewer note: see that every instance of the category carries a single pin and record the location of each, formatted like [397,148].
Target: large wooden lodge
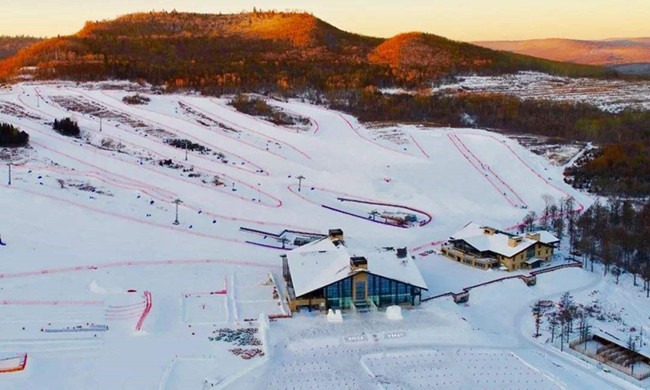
[486,247]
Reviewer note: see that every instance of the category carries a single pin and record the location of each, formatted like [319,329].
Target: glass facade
[339,295]
[386,292]
[383,292]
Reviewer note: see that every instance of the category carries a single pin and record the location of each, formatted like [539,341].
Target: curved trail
[254,131]
[109,155]
[125,217]
[358,199]
[258,171]
[122,264]
[113,105]
[245,128]
[154,192]
[176,130]
[145,186]
[125,183]
[271,124]
[369,140]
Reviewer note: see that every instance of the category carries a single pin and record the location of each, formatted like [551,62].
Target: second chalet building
[337,272]
[485,247]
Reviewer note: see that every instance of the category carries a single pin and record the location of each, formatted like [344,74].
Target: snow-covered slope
[88,220]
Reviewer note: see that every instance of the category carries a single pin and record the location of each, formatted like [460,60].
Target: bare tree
[553,322]
[538,310]
[528,222]
[616,271]
[632,346]
[548,201]
[568,310]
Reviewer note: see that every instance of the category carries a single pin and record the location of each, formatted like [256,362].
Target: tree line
[615,234]
[621,166]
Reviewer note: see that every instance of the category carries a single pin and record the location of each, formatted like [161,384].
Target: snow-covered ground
[90,239]
[609,95]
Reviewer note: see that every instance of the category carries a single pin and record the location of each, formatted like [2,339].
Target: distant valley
[626,55]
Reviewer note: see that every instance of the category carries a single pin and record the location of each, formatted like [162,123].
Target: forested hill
[9,46]
[261,51]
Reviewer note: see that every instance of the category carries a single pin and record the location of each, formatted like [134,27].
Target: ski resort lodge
[485,247]
[337,272]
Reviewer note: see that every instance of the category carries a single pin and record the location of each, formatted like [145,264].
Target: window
[530,252]
[386,292]
[339,294]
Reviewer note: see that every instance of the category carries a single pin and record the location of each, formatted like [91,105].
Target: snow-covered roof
[533,260]
[546,237]
[499,242]
[470,230]
[323,262]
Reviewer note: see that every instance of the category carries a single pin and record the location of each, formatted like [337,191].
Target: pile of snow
[394,312]
[334,316]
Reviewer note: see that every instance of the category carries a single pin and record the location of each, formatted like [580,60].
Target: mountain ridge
[261,51]
[609,52]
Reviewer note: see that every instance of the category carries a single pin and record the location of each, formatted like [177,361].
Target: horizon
[503,20]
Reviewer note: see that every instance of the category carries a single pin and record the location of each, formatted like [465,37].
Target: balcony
[461,256]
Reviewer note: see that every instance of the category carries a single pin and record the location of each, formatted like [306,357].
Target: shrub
[67,127]
[11,136]
[186,144]
[136,99]
[258,107]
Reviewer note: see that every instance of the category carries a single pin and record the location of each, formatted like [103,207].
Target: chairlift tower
[300,179]
[177,201]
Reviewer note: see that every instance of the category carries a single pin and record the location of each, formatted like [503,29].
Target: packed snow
[93,254]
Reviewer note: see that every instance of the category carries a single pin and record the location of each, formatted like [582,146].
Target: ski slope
[90,238]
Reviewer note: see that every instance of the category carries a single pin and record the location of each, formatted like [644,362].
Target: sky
[466,20]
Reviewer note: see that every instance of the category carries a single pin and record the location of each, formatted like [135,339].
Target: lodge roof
[326,261]
[485,238]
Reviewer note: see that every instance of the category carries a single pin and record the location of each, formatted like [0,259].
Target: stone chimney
[514,241]
[357,262]
[335,234]
[534,236]
[489,230]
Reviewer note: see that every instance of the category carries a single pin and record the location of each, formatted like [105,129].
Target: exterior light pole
[177,201]
[300,179]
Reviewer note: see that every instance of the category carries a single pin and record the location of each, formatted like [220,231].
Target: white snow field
[102,290]
[609,95]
